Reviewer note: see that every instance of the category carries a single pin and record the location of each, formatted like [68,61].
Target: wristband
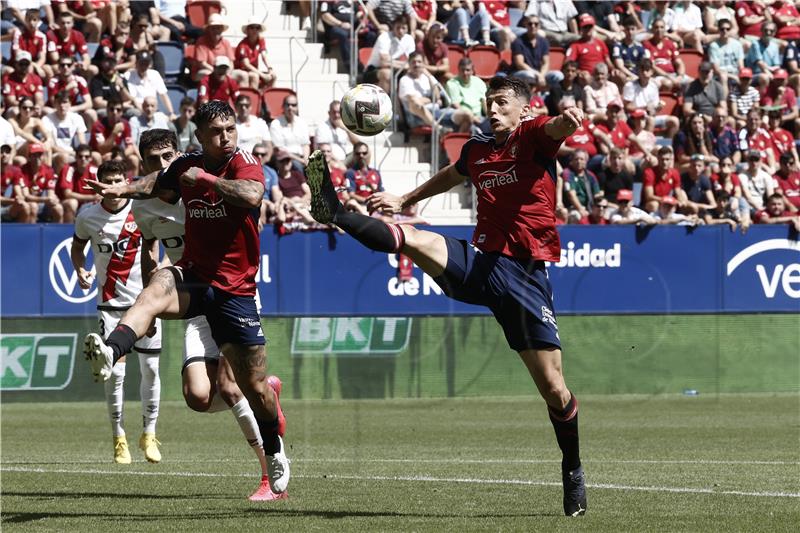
[206,180]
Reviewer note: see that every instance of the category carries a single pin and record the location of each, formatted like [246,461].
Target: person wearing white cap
[251,56]
[210,45]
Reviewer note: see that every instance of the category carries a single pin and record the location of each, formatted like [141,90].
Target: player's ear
[525,111]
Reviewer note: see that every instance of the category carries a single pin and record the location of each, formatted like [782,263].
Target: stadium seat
[363,56]
[189,61]
[452,143]
[255,100]
[506,58]
[192,93]
[486,60]
[173,59]
[92,49]
[671,102]
[691,59]
[556,58]
[198,11]
[273,99]
[176,93]
[454,55]
[6,49]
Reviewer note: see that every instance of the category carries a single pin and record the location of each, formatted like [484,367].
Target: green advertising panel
[36,361]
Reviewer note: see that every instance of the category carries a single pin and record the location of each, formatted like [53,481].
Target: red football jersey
[222,244]
[74,44]
[662,54]
[663,183]
[29,86]
[587,54]
[748,9]
[78,93]
[619,135]
[10,176]
[516,189]
[70,180]
[365,182]
[583,138]
[101,129]
[35,43]
[244,50]
[790,187]
[498,9]
[210,89]
[39,181]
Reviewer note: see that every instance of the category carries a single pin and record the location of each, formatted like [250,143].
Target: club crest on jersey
[131,227]
[198,208]
[514,150]
[497,178]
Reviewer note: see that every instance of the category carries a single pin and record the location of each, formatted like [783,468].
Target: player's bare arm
[241,193]
[565,124]
[140,189]
[442,181]
[78,258]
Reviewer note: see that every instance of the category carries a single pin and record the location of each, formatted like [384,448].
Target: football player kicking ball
[208,382]
[221,189]
[514,174]
[117,246]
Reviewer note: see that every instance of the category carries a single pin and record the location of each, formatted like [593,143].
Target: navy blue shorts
[233,319]
[517,292]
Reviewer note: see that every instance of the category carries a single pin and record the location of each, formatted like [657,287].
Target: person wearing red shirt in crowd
[113,130]
[588,51]
[775,212]
[73,188]
[778,93]
[87,15]
[211,45]
[218,85]
[755,137]
[22,82]
[39,186]
[13,206]
[343,186]
[750,16]
[537,103]
[785,15]
[295,199]
[597,215]
[250,51]
[119,47]
[434,53]
[614,132]
[788,178]
[582,139]
[661,180]
[364,179]
[75,86]
[33,41]
[499,22]
[69,42]
[667,64]
[425,13]
[782,140]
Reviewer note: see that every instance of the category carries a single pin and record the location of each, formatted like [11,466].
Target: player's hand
[572,118]
[84,278]
[189,177]
[107,191]
[384,202]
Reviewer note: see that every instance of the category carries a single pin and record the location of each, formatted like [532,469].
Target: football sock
[565,422]
[371,232]
[150,390]
[121,340]
[269,435]
[247,422]
[114,398]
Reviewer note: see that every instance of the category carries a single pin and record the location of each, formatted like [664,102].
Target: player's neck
[114,205]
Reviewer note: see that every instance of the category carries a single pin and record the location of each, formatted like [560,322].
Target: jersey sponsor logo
[494,178]
[198,208]
[784,275]
[367,336]
[586,256]
[31,361]
[63,277]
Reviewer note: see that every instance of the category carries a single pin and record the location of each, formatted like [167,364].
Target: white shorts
[108,320]
[198,344]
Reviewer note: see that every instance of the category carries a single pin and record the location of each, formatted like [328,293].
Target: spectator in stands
[383,13]
[725,212]
[39,186]
[613,176]
[172,15]
[425,15]
[666,214]
[723,136]
[643,94]
[391,50]
[33,41]
[661,180]
[499,21]
[696,194]
[21,83]
[750,16]
[144,81]
[113,131]
[764,55]
[29,129]
[743,97]
[76,88]
[145,27]
[668,67]
[788,181]
[779,95]
[704,94]
[106,84]
[642,149]
[66,41]
[626,213]
[558,19]
[291,132]
[263,153]
[419,95]
[605,18]
[728,187]
[538,107]
[726,54]
[13,207]
[775,212]
[757,184]
[211,45]
[251,56]
[588,51]
[120,47]
[251,129]
[688,25]
[580,187]
[782,140]
[295,201]
[183,126]
[693,139]
[614,131]
[66,129]
[467,22]
[218,85]
[530,52]
[785,14]
[151,118]
[336,18]
[568,86]
[626,54]
[365,180]
[469,91]
[755,137]
[582,139]
[342,185]
[75,194]
[86,17]
[717,10]
[332,132]
[597,215]
[434,53]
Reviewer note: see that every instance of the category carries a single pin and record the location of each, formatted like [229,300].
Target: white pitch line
[609,486]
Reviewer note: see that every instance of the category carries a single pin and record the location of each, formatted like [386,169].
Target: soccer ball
[366,109]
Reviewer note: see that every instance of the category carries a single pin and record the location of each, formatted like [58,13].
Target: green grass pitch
[654,463]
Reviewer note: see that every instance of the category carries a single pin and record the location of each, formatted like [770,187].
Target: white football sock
[150,391]
[114,397]
[247,422]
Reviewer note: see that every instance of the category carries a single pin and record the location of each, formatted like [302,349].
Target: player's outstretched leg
[100,357]
[264,492]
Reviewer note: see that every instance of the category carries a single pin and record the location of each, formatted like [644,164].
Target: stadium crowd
[692,111]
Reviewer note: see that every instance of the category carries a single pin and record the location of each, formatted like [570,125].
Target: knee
[196,401]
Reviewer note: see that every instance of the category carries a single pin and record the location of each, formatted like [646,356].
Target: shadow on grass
[139,496]
[23,518]
[331,515]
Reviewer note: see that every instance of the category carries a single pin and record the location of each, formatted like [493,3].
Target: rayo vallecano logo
[63,277]
[785,276]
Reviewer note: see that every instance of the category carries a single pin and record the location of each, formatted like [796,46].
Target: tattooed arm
[239,192]
[141,189]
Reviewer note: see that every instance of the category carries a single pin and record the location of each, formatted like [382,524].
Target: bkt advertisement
[603,270]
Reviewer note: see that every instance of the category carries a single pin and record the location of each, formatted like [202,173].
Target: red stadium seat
[255,99]
[671,102]
[273,99]
[198,11]
[363,56]
[454,54]
[486,60]
[556,58]
[691,59]
[452,143]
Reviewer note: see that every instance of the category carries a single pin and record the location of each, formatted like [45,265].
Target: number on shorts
[102,328]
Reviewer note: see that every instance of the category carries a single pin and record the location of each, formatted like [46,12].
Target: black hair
[112,167]
[157,138]
[62,96]
[113,100]
[629,20]
[520,89]
[83,148]
[211,110]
